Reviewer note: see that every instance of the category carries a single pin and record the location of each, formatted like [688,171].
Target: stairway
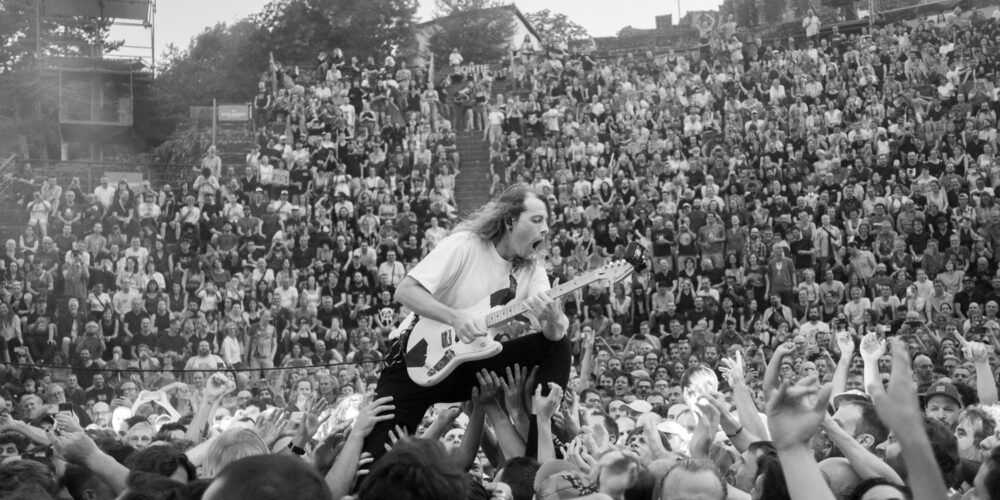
[233,142]
[472,186]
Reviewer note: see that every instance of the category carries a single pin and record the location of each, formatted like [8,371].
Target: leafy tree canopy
[555,26]
[480,29]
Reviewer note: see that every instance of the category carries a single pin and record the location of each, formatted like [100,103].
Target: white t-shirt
[463,269]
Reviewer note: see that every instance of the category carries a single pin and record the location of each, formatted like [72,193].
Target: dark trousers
[553,360]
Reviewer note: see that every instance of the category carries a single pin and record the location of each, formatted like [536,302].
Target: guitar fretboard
[513,310]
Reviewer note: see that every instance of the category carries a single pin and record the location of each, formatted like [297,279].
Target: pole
[38,29]
[678,12]
[215,115]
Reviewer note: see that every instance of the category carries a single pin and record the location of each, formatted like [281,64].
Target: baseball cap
[943,389]
[671,427]
[851,395]
[640,405]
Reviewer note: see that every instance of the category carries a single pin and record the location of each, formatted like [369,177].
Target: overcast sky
[177,21]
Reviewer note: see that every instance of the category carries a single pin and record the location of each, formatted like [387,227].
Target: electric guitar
[433,350]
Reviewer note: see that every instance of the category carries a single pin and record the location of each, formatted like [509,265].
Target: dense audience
[819,318]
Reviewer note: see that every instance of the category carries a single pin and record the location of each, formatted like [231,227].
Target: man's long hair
[494,219]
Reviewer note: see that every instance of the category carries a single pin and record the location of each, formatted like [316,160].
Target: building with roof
[523,30]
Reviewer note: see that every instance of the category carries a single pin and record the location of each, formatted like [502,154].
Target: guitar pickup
[446,338]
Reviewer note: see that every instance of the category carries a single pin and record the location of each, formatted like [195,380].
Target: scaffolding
[97,92]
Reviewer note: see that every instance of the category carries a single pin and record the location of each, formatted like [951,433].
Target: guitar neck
[511,311]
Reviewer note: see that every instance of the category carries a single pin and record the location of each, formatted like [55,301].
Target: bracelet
[295,449]
[737,433]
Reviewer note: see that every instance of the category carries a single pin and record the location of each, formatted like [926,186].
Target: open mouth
[536,245]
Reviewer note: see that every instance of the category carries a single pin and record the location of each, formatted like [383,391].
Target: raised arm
[794,414]
[978,353]
[899,409]
[545,407]
[845,343]
[862,461]
[345,467]
[771,374]
[749,422]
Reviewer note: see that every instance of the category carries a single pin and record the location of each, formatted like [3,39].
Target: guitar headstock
[613,271]
[633,261]
[635,255]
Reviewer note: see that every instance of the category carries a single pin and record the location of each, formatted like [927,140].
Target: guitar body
[434,350]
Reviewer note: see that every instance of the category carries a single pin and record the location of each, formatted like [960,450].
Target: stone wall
[90,173]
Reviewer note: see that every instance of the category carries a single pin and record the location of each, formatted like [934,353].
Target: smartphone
[66,409]
[295,420]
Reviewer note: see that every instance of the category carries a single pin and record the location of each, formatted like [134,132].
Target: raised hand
[396,435]
[977,352]
[217,386]
[733,369]
[785,349]
[68,423]
[794,412]
[547,406]
[364,462]
[73,447]
[271,427]
[898,406]
[448,415]
[513,387]
[727,421]
[489,388]
[845,343]
[372,414]
[577,453]
[311,422]
[872,348]
[704,432]
[529,382]
[7,422]
[317,407]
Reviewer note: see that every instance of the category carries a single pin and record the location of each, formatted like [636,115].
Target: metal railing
[6,177]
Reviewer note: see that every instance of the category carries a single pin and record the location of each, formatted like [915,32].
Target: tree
[298,29]
[480,29]
[226,62]
[556,26]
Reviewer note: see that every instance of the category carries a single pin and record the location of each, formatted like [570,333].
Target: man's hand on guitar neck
[465,327]
[550,314]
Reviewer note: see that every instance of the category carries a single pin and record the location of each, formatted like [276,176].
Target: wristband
[737,433]
[295,449]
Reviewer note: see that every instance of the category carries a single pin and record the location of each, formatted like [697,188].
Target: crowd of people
[819,317]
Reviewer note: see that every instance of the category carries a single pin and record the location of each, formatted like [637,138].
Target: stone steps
[472,185]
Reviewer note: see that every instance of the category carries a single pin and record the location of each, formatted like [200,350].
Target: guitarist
[492,254]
